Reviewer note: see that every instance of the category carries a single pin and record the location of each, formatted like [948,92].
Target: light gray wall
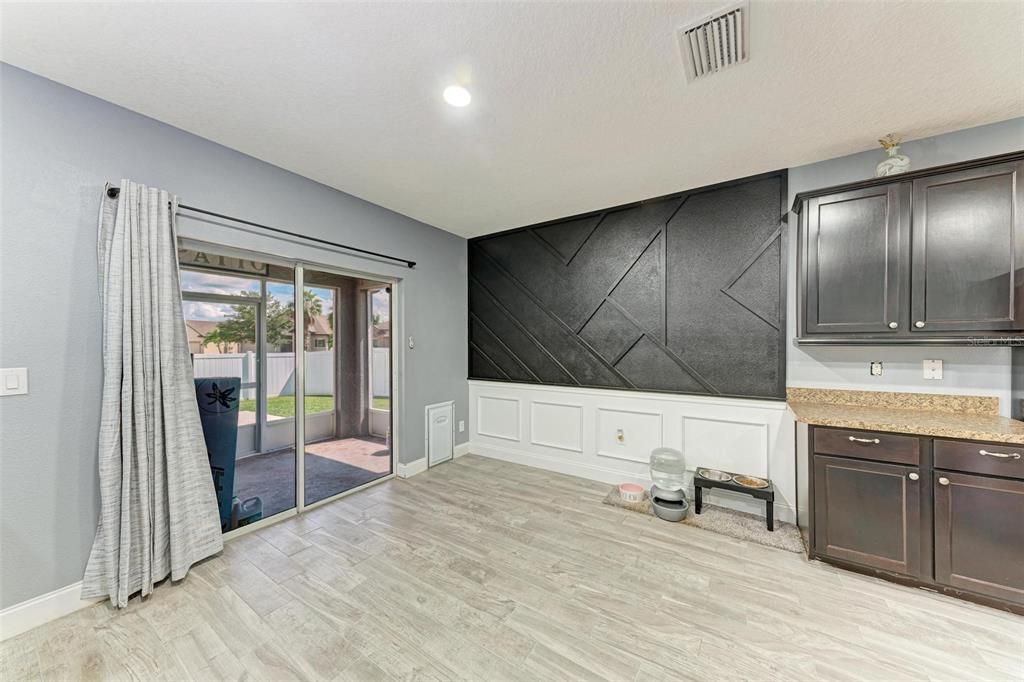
[983,371]
[59,148]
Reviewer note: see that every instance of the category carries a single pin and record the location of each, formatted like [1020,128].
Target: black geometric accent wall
[683,293]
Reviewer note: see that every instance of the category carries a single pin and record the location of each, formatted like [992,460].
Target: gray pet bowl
[669,510]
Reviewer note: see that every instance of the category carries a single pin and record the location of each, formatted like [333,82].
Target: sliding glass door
[238,319]
[305,357]
[341,450]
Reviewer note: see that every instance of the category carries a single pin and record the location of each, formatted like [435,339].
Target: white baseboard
[420,465]
[37,611]
[412,468]
[722,498]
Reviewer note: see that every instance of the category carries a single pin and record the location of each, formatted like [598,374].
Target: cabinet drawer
[880,447]
[1003,459]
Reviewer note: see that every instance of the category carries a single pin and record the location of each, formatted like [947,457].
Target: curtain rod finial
[112,192]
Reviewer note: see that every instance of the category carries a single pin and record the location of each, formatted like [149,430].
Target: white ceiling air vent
[716,42]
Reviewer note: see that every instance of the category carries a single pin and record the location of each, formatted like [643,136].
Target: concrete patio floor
[332,467]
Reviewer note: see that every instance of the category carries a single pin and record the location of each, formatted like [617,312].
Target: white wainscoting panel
[556,425]
[498,417]
[575,431]
[731,444]
[628,434]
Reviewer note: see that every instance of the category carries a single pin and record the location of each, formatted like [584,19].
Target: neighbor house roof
[320,325]
[198,330]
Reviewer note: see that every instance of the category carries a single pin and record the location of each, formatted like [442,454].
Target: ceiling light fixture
[457,96]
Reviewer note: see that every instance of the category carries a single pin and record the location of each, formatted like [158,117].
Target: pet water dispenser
[668,495]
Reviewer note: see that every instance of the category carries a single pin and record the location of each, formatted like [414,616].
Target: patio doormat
[735,524]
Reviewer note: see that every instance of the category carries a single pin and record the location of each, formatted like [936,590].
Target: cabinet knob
[894,325]
[943,480]
[919,324]
[912,476]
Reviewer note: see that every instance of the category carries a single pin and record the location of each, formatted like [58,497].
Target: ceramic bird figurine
[896,163]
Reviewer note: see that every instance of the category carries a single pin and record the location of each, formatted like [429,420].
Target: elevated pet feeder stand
[767,494]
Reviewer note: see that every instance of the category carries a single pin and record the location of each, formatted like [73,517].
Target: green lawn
[284,405]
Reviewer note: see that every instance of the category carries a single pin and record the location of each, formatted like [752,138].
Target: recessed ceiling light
[457,96]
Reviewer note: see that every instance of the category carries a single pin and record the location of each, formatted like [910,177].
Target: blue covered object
[217,398]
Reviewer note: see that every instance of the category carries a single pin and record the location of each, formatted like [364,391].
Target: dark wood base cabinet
[939,514]
[979,535]
[870,513]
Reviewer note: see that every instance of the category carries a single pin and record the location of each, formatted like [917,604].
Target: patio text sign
[215,261]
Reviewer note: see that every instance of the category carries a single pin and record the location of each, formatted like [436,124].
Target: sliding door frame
[397,368]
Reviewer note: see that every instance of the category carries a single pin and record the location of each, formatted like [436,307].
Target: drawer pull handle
[875,441]
[943,480]
[1000,455]
[912,476]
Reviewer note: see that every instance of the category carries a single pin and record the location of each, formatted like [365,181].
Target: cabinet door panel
[968,251]
[853,261]
[979,536]
[868,513]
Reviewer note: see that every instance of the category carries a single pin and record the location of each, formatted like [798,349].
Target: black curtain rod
[112,192]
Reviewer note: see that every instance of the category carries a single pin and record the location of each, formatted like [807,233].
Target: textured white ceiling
[576,106]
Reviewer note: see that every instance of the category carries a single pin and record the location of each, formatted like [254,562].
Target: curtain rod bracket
[113,193]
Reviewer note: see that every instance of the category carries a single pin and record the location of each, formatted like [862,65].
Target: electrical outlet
[462,426]
[412,342]
[932,369]
[876,368]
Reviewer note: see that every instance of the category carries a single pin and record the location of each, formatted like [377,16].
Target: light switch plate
[932,369]
[14,381]
[462,426]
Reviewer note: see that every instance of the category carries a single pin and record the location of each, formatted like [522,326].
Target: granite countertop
[942,416]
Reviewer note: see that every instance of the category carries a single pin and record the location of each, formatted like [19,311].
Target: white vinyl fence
[280,371]
[380,372]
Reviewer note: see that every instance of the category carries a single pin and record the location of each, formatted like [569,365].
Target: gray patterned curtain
[158,513]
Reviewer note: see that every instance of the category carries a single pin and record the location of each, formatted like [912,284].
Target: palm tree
[312,306]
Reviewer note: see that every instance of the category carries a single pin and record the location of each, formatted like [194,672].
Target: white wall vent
[716,42]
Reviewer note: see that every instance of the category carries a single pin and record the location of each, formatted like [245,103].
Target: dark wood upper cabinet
[967,253]
[868,513]
[979,537]
[931,255]
[853,257]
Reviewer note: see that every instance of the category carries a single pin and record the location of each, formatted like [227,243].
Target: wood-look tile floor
[483,570]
